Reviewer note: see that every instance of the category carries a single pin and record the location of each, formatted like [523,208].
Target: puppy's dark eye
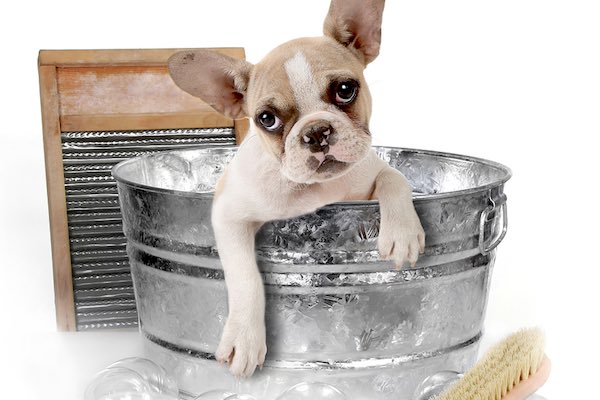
[269,121]
[345,92]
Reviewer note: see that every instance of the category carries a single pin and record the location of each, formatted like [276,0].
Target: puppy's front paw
[401,239]
[243,346]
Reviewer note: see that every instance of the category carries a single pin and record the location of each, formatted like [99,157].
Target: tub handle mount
[485,246]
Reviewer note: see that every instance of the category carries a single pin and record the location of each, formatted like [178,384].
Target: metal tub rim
[505,175]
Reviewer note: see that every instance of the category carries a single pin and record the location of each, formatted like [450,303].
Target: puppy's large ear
[357,25]
[219,80]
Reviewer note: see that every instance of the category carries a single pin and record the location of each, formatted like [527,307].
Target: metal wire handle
[500,202]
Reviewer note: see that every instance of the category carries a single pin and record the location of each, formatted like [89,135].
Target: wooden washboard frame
[105,90]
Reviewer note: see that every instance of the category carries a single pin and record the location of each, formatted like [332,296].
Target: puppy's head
[307,99]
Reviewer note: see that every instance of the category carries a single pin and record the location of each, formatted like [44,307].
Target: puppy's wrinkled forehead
[296,74]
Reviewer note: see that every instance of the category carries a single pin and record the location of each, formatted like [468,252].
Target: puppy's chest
[279,200]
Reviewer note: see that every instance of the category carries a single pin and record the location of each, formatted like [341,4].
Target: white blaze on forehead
[302,81]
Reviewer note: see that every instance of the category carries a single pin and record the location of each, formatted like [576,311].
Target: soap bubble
[240,397]
[138,396]
[435,384]
[132,379]
[218,394]
[312,390]
[153,374]
[109,383]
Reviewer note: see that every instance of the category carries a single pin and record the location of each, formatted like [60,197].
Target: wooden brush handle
[527,387]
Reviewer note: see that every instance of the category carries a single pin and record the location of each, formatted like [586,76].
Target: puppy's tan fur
[314,93]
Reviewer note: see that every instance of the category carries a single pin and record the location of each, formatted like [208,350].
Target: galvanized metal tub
[335,313]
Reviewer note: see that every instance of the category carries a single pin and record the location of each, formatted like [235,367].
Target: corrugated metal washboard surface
[102,284]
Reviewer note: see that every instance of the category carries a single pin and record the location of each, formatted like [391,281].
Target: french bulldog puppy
[308,145]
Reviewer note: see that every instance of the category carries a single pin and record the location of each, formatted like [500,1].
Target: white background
[514,81]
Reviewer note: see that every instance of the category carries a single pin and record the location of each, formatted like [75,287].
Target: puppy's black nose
[317,137]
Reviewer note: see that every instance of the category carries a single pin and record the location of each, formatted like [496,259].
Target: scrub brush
[511,370]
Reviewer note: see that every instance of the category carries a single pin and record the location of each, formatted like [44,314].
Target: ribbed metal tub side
[334,311]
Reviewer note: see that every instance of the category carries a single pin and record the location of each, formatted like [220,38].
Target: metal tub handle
[486,246]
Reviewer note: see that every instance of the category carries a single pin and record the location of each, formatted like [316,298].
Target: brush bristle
[503,366]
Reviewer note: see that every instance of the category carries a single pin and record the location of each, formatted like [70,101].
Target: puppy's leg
[243,342]
[401,236]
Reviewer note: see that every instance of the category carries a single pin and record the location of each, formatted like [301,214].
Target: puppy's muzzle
[317,137]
